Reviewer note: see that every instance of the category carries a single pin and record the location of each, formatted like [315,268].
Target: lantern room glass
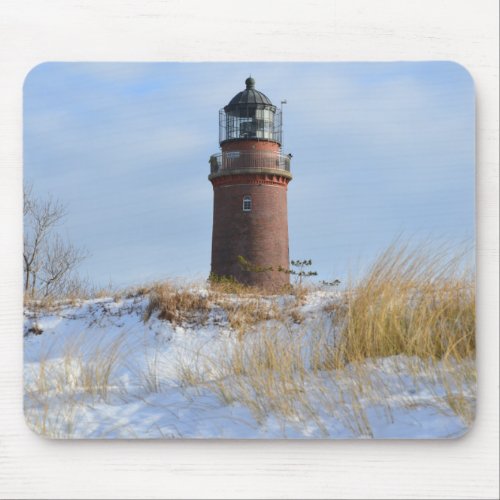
[261,122]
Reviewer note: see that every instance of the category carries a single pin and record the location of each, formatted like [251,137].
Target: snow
[147,396]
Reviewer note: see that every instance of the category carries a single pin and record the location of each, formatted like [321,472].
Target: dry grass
[261,373]
[244,306]
[83,290]
[300,292]
[253,306]
[46,422]
[137,291]
[83,374]
[459,382]
[243,315]
[79,292]
[176,305]
[415,308]
[296,316]
[267,373]
[415,302]
[229,286]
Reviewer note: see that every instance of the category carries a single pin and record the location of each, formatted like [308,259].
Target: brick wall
[260,236]
[250,145]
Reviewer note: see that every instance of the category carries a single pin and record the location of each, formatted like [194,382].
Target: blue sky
[379,150]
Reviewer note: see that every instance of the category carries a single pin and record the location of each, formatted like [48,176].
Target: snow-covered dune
[98,370]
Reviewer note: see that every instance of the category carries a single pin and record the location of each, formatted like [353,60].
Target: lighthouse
[250,177]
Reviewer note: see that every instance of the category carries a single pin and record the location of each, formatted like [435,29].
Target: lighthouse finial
[250,82]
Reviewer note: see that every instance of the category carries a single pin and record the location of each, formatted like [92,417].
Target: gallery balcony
[236,162]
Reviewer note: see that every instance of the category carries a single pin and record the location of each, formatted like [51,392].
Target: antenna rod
[282,135]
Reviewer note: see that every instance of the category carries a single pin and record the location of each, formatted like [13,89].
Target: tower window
[247,203]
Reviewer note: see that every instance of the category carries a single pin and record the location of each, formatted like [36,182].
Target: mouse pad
[249,250]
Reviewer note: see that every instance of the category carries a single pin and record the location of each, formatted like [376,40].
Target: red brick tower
[250,178]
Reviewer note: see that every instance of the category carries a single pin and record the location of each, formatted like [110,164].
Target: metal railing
[236,160]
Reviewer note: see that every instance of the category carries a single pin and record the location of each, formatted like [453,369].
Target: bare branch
[48,260]
[60,260]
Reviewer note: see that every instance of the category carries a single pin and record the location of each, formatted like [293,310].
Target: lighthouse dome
[249,97]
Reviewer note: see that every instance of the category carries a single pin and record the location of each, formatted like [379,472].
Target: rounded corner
[33,70]
[467,430]
[468,75]
[36,431]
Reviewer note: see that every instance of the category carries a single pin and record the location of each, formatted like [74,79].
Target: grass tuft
[176,305]
[414,302]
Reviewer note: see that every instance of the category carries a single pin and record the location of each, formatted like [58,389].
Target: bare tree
[49,261]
